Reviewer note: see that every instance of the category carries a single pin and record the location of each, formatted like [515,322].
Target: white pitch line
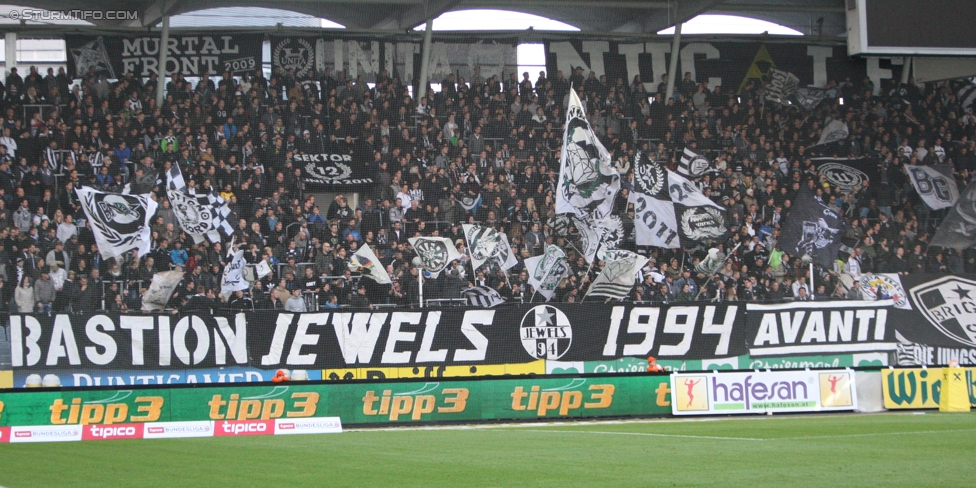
[868,435]
[643,434]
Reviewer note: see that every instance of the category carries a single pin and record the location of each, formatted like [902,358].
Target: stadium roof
[621,16]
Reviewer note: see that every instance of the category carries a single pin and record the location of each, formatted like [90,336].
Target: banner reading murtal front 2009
[761,392]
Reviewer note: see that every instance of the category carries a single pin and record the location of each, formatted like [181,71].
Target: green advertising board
[353,402]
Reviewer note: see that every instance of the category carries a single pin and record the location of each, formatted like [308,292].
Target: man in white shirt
[11,144]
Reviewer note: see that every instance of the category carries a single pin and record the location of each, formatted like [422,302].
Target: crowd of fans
[235,136]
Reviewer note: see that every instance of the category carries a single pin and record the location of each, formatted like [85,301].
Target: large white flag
[436,253]
[161,290]
[618,275]
[935,184]
[588,180]
[547,270]
[835,131]
[365,261]
[233,279]
[120,222]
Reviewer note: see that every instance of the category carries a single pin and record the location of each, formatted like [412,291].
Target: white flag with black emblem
[654,220]
[547,270]
[482,242]
[835,131]
[120,222]
[694,165]
[588,180]
[482,296]
[503,255]
[365,261]
[935,184]
[200,216]
[435,253]
[618,275]
[233,279]
[161,290]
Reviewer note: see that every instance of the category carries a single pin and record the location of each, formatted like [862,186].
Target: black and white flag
[781,86]
[812,228]
[618,275]
[503,257]
[547,270]
[935,184]
[835,131]
[200,216]
[606,233]
[588,180]
[435,253]
[699,219]
[120,222]
[958,229]
[654,221]
[482,243]
[482,296]
[694,165]
[809,98]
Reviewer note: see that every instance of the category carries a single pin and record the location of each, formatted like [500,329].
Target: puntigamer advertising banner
[353,403]
[762,392]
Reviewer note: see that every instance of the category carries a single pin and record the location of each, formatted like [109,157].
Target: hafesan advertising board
[759,392]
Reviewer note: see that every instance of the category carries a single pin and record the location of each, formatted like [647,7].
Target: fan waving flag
[365,261]
[812,228]
[547,270]
[436,253]
[781,86]
[482,242]
[200,216]
[694,165]
[233,279]
[935,184]
[698,218]
[835,131]
[618,275]
[654,222]
[588,180]
[809,98]
[120,222]
[958,229]
[161,290]
[503,255]
[482,296]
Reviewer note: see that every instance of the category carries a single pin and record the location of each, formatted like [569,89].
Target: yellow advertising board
[413,372]
[916,388]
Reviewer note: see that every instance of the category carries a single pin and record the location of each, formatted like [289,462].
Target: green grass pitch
[887,450]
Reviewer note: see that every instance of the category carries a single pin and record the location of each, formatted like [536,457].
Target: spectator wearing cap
[44,292]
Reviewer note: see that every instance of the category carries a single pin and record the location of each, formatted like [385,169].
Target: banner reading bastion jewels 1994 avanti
[929,320]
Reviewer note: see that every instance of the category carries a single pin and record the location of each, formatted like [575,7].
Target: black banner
[728,63]
[190,55]
[323,172]
[939,327]
[457,336]
[942,323]
[399,55]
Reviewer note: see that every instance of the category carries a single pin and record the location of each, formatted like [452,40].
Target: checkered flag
[200,216]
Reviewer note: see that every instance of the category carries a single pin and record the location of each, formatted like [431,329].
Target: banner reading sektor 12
[353,403]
